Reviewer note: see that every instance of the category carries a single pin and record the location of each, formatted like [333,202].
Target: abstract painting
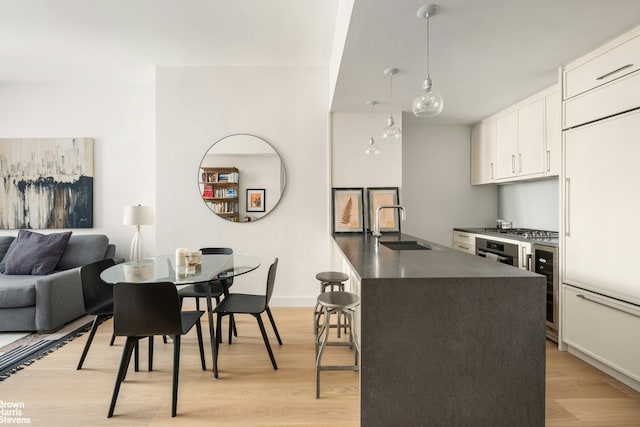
[46,183]
[348,213]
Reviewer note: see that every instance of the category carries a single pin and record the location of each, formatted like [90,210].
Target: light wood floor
[250,393]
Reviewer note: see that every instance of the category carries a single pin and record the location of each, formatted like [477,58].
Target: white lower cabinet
[464,242]
[605,329]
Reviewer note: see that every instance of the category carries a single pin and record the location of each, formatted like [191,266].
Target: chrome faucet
[376,227]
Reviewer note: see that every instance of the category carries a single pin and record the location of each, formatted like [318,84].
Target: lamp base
[135,253]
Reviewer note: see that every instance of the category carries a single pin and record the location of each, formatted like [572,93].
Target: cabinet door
[531,134]
[553,131]
[601,206]
[483,152]
[603,328]
[506,145]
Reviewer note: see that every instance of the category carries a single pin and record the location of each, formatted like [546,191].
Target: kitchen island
[447,338]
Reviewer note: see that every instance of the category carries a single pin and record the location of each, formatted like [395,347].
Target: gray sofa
[46,303]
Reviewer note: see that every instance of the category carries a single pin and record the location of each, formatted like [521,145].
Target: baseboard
[605,368]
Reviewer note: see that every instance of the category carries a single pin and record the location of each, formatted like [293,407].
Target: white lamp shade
[138,215]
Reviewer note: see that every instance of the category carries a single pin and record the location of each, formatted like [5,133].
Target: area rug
[25,351]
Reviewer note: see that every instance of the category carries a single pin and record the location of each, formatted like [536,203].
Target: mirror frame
[207,183]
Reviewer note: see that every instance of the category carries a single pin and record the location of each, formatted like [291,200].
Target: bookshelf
[220,191]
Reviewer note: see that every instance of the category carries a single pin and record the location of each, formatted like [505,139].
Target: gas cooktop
[526,233]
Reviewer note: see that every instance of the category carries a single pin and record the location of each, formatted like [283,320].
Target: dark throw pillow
[9,242]
[36,254]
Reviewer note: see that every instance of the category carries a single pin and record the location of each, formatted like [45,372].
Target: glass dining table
[163,269]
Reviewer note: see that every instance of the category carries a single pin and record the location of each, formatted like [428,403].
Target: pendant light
[391,131]
[371,148]
[430,102]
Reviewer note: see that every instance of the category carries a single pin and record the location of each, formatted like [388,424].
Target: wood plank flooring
[250,393]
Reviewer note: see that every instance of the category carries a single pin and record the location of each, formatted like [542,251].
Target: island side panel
[453,352]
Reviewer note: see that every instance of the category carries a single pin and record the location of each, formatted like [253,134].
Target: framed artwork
[348,210]
[255,199]
[48,183]
[389,218]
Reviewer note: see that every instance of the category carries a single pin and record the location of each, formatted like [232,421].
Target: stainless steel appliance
[545,262]
[504,252]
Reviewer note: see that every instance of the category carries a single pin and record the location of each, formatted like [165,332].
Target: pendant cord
[428,18]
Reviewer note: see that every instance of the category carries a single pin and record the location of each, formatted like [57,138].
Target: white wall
[287,107]
[532,204]
[350,166]
[436,182]
[121,119]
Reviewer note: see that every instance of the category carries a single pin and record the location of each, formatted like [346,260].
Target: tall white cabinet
[600,320]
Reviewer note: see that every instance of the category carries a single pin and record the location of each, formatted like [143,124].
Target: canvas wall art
[46,183]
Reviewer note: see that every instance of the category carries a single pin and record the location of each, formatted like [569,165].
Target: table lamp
[137,215]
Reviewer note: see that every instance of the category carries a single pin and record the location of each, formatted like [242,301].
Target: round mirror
[242,178]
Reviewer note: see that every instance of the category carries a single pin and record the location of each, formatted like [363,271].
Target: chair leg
[273,324]
[266,340]
[150,353]
[200,345]
[113,339]
[176,369]
[129,346]
[218,332]
[92,333]
[230,328]
[136,355]
[233,325]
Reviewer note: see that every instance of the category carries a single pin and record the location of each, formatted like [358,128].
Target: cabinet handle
[624,67]
[548,160]
[525,261]
[567,205]
[491,168]
[604,303]
[513,163]
[520,162]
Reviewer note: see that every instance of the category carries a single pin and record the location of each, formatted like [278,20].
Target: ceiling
[485,54]
[122,40]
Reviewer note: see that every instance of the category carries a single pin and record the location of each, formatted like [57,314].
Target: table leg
[212,329]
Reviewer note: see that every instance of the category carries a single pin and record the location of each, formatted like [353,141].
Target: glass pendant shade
[371,147]
[429,104]
[391,132]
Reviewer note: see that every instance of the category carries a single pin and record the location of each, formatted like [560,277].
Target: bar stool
[338,303]
[333,280]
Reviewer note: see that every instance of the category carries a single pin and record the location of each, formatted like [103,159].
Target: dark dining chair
[254,305]
[147,309]
[217,287]
[98,299]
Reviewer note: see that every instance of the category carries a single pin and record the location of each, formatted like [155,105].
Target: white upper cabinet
[506,145]
[610,62]
[526,138]
[531,136]
[553,133]
[483,152]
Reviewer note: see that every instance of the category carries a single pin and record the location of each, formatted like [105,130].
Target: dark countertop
[491,232]
[440,262]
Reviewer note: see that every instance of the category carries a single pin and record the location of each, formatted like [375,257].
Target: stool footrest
[339,368]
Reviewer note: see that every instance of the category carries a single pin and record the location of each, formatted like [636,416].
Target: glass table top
[163,269]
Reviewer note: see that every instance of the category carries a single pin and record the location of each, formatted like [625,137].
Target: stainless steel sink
[406,245]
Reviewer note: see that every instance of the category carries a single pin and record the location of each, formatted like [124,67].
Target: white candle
[180,254]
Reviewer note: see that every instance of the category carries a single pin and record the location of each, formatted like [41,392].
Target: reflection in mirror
[241,178]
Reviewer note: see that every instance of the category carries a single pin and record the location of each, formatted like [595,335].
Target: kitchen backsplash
[531,204]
